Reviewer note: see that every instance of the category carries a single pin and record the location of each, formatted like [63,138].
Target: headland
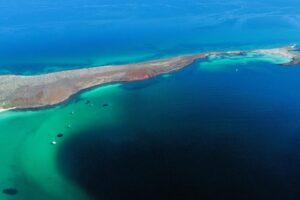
[21,92]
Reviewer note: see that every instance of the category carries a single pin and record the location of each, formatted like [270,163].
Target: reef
[10,191]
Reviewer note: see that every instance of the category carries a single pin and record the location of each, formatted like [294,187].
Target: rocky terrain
[17,91]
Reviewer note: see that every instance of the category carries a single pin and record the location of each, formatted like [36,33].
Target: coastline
[39,91]
[6,109]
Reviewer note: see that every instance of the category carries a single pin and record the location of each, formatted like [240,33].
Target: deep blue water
[41,36]
[195,135]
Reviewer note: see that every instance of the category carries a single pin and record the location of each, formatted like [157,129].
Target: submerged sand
[18,91]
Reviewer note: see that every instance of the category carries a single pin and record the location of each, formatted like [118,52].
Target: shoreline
[6,109]
[40,91]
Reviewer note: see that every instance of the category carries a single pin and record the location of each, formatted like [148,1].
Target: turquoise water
[193,134]
[223,128]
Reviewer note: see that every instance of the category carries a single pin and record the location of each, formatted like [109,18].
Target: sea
[222,128]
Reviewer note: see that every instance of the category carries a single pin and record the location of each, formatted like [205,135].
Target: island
[23,92]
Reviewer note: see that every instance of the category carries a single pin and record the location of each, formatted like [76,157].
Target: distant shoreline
[38,91]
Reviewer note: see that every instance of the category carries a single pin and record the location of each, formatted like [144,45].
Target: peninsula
[18,91]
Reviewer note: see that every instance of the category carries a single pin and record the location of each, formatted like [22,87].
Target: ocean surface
[39,36]
[222,128]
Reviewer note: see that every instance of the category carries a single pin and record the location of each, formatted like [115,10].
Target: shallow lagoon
[192,134]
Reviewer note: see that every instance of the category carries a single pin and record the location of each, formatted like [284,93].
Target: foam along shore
[7,109]
[18,91]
